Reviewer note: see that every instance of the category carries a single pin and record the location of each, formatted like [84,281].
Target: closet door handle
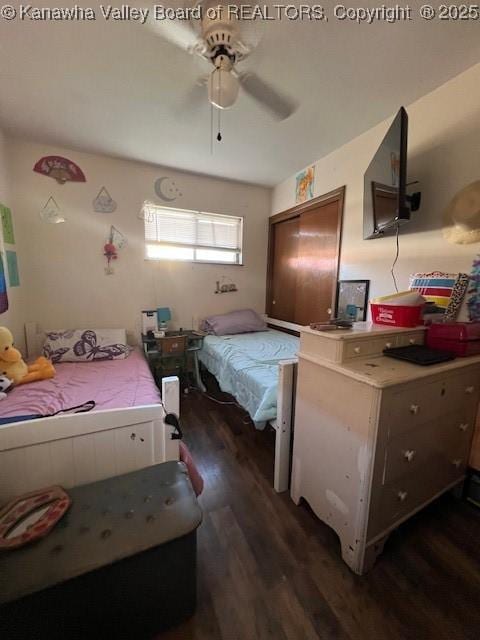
[457,463]
[469,390]
[409,455]
[414,409]
[463,426]
[388,345]
[402,496]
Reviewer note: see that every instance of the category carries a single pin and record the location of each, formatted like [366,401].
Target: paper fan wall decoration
[61,169]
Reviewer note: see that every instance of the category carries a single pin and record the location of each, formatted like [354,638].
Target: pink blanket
[113,384]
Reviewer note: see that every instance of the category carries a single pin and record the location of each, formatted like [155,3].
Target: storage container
[461,338]
[120,564]
[396,316]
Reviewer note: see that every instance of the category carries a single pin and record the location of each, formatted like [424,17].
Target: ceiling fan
[221,38]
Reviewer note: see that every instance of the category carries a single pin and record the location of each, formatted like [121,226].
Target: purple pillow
[242,321]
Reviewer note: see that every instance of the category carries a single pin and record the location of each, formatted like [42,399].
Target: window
[178,234]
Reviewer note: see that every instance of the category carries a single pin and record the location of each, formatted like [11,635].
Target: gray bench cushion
[108,521]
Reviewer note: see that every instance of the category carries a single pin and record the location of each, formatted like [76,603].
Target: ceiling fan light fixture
[222,89]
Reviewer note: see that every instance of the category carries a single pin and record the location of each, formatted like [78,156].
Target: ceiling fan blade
[279,105]
[178,32]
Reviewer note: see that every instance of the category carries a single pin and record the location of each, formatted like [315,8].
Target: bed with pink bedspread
[112,384]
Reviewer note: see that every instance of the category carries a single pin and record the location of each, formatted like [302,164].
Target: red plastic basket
[396,316]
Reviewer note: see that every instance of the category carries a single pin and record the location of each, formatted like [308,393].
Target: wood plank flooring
[270,569]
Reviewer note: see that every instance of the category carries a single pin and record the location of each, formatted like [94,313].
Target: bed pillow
[242,321]
[86,345]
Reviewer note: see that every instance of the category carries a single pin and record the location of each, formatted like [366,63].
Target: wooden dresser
[376,439]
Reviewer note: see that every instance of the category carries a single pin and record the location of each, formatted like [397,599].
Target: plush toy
[5,385]
[13,366]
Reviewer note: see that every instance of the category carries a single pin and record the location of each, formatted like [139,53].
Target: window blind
[192,235]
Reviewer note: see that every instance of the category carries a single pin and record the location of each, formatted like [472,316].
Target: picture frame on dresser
[352,293]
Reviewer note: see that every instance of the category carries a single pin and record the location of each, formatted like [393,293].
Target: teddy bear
[14,367]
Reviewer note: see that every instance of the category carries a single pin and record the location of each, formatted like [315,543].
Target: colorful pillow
[86,345]
[446,290]
[242,321]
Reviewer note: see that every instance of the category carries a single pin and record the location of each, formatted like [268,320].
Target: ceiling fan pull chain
[211,129]
[219,134]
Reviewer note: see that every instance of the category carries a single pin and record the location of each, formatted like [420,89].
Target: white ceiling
[117,89]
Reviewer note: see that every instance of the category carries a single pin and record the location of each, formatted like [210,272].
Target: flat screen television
[385,202]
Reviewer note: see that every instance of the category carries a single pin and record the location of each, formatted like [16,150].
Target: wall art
[61,169]
[51,212]
[304,184]
[166,189]
[116,240]
[104,203]
[7,225]
[12,265]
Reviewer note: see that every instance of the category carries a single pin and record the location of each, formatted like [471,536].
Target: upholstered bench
[121,563]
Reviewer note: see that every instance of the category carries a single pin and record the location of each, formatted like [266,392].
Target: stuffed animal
[13,366]
[5,385]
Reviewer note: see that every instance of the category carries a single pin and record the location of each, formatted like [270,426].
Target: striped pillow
[446,290]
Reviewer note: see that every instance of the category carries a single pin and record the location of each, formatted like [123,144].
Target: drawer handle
[402,496]
[412,340]
[409,455]
[414,409]
[388,345]
[463,426]
[457,463]
[469,390]
[357,350]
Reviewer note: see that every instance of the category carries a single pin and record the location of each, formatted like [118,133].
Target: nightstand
[169,355]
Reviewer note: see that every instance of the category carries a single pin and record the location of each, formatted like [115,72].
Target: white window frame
[193,247]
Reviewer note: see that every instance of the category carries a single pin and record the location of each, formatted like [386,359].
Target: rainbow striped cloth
[446,290]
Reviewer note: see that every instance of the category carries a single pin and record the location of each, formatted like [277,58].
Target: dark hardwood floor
[270,569]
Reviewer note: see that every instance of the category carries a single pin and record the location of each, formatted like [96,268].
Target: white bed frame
[283,424]
[75,449]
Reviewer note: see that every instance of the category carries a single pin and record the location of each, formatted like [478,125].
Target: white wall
[67,285]
[444,154]
[14,318]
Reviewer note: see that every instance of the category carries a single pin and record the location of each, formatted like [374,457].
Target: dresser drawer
[436,443]
[365,348]
[402,496]
[413,406]
[409,451]
[358,349]
[406,339]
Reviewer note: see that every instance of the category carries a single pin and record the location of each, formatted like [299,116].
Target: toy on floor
[14,367]
[5,385]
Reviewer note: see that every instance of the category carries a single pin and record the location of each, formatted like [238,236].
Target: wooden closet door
[317,268]
[284,270]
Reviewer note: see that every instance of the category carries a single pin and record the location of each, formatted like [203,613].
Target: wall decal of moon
[166,189]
